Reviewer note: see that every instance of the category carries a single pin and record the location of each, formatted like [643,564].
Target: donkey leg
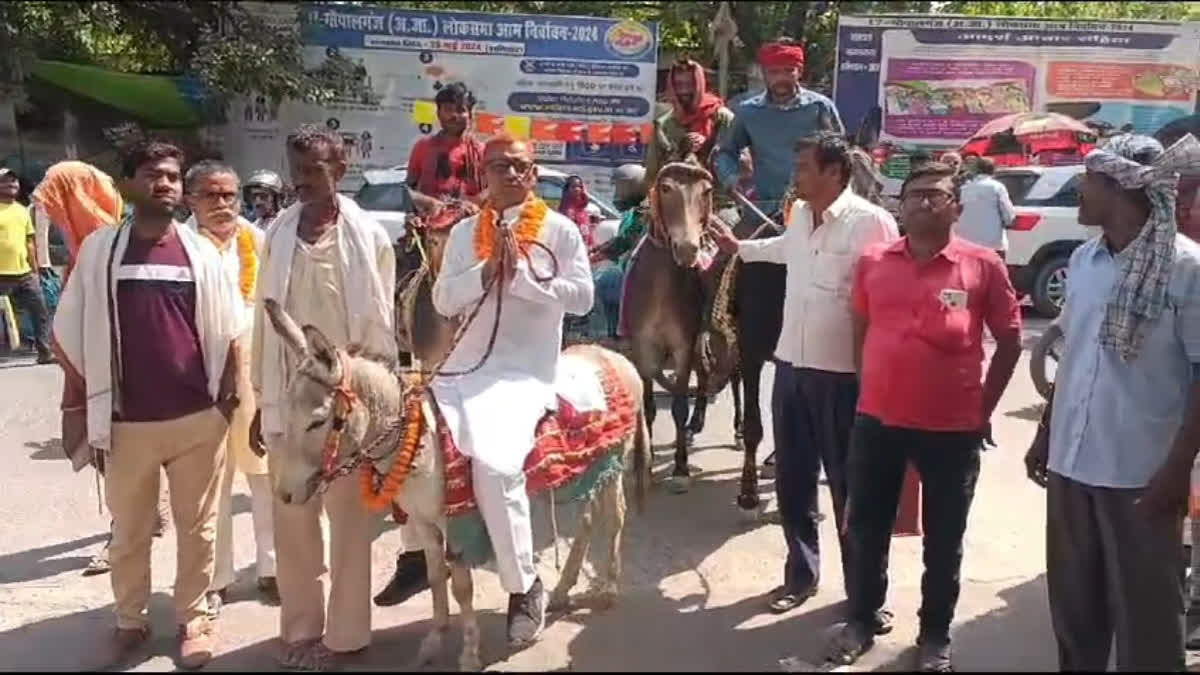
[612,507]
[748,493]
[464,594]
[435,559]
[560,597]
[699,412]
[648,403]
[739,430]
[680,482]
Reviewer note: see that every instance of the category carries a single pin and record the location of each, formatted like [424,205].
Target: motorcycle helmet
[266,179]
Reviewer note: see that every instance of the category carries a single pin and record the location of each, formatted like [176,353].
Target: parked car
[385,195]
[1045,232]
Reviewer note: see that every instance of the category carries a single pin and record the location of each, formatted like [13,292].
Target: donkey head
[682,203]
[310,407]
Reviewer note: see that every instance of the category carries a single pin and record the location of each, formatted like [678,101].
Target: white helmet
[266,179]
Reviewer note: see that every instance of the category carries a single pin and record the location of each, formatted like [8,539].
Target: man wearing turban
[696,119]
[771,122]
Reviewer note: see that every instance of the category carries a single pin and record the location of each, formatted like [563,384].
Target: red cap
[774,54]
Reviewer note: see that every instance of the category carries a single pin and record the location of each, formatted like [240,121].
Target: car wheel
[1050,286]
[1046,352]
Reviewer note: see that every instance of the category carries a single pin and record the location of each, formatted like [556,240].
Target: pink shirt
[922,364]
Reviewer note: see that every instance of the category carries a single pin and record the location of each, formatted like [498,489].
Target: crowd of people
[172,369]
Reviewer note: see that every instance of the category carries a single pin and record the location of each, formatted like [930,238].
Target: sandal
[784,600]
[851,642]
[98,564]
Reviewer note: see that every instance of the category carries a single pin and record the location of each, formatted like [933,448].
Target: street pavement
[696,573]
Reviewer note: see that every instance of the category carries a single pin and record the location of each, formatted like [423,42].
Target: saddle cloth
[595,416]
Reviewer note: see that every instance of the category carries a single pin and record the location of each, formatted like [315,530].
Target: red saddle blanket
[566,443]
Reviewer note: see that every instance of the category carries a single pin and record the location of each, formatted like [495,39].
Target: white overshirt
[492,413]
[232,263]
[817,321]
[986,212]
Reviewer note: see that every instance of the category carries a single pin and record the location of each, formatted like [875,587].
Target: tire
[1050,286]
[1042,351]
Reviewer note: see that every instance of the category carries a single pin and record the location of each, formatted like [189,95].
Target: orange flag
[488,124]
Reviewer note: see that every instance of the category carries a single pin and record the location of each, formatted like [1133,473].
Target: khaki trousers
[192,450]
[300,547]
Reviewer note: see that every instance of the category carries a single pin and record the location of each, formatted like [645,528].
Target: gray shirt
[987,211]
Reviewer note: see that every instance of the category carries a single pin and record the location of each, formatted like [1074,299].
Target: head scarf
[575,208]
[778,55]
[699,119]
[1140,295]
[79,199]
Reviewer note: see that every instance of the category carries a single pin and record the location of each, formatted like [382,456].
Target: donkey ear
[322,349]
[287,329]
[868,132]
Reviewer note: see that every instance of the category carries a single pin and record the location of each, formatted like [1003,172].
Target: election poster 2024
[581,89]
[939,80]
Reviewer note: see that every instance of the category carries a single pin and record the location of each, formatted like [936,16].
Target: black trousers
[812,412]
[1112,570]
[25,292]
[948,463]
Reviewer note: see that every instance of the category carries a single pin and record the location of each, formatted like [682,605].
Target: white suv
[1045,232]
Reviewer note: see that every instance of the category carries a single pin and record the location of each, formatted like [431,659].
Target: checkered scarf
[1141,294]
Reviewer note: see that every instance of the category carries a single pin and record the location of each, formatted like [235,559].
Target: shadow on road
[40,563]
[49,449]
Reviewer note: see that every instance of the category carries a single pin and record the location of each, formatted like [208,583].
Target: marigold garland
[527,229]
[414,428]
[247,260]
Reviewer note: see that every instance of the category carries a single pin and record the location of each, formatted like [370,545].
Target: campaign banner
[581,89]
[939,79]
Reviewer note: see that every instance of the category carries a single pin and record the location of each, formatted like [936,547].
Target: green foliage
[234,53]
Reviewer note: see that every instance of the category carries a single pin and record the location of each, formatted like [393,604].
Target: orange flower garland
[526,230]
[402,466]
[247,259]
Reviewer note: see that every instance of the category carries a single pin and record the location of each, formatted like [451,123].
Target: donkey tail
[641,462]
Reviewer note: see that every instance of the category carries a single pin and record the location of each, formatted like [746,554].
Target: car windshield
[384,197]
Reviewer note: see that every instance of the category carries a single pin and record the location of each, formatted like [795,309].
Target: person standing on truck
[987,209]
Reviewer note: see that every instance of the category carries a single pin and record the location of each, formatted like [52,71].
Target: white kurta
[492,413]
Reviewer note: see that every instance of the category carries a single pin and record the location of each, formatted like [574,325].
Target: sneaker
[196,644]
[526,616]
[124,642]
[411,577]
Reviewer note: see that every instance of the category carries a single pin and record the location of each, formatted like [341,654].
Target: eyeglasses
[932,198]
[219,196]
[503,166]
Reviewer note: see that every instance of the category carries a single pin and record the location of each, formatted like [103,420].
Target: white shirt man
[492,412]
[816,387]
[987,210]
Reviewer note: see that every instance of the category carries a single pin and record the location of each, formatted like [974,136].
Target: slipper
[98,564]
[851,642]
[784,600]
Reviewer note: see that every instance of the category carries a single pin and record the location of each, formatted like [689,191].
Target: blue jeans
[608,278]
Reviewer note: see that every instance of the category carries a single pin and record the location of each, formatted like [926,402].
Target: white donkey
[371,401]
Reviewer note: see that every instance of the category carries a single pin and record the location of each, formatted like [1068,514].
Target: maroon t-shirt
[163,375]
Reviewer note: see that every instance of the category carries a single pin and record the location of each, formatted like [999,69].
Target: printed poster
[581,89]
[940,79]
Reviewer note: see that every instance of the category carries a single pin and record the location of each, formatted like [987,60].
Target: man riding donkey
[444,168]
[331,266]
[498,381]
[695,123]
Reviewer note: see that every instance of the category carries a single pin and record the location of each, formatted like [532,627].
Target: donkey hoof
[750,508]
[431,646]
[470,663]
[678,485]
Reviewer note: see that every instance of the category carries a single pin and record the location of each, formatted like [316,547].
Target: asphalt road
[695,573]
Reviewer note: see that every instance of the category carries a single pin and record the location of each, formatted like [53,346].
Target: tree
[231,50]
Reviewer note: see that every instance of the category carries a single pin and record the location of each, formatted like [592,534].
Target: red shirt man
[920,306]
[447,165]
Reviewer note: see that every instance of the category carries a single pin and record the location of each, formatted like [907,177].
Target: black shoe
[216,600]
[882,625]
[933,655]
[411,577]
[526,616]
